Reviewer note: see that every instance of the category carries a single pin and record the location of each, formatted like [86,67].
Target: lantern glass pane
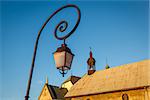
[69,58]
[59,58]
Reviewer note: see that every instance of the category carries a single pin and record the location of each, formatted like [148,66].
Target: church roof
[73,79]
[122,77]
[56,92]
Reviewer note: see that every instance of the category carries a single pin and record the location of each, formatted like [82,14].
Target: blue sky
[115,30]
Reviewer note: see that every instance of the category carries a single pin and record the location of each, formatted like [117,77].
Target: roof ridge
[52,91]
[53,85]
[118,66]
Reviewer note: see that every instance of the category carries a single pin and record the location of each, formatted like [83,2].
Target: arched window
[125,97]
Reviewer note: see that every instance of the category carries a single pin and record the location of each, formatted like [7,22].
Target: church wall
[141,94]
[45,95]
[148,93]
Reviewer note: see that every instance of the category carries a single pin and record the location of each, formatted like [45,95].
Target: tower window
[125,97]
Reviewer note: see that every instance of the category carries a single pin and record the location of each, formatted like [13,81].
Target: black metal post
[59,27]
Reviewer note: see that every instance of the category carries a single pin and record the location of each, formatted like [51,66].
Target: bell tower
[91,64]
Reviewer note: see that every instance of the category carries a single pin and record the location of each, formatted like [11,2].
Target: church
[124,82]
[51,92]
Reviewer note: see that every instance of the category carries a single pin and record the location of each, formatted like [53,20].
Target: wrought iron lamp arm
[61,29]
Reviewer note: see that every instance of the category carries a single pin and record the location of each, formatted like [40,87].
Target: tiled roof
[56,92]
[122,77]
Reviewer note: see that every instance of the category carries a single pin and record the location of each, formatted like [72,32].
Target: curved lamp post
[63,56]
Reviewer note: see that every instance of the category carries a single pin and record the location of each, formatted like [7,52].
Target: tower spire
[107,66]
[46,80]
[91,55]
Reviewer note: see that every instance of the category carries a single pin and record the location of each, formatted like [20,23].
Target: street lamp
[63,56]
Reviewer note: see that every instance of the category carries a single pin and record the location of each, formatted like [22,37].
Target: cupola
[91,64]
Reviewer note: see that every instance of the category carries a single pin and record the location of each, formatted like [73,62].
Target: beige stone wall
[141,94]
[45,95]
[147,93]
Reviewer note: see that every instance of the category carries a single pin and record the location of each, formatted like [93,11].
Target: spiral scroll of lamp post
[62,26]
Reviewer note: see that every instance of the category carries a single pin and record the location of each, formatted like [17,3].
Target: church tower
[91,64]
